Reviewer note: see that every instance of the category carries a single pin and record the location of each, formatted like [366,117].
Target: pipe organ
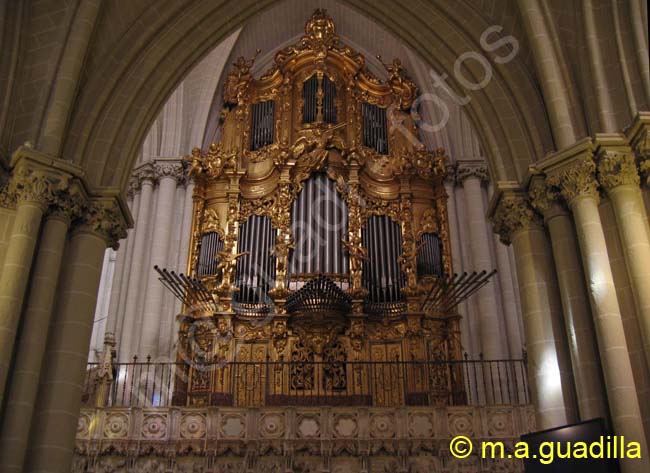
[319,229]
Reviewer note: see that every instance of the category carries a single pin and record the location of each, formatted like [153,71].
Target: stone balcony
[410,439]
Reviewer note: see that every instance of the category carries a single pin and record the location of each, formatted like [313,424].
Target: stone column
[33,337]
[617,173]
[119,293]
[169,312]
[590,390]
[59,397]
[450,188]
[167,172]
[549,369]
[127,346]
[115,317]
[549,67]
[577,183]
[33,184]
[513,334]
[471,175]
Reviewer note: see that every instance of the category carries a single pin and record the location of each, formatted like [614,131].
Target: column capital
[638,136]
[469,169]
[545,198]
[575,179]
[615,161]
[35,181]
[38,178]
[69,205]
[616,168]
[133,187]
[511,212]
[106,216]
[144,173]
[169,167]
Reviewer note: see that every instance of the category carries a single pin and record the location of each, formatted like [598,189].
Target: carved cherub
[227,262]
[315,146]
[195,161]
[238,79]
[399,82]
[283,244]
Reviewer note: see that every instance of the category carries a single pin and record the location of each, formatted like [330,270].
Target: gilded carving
[279,333]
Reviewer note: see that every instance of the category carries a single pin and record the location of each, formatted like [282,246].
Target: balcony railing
[352,383]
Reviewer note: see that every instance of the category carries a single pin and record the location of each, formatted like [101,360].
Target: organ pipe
[256,269]
[262,124]
[382,273]
[211,244]
[429,257]
[375,132]
[318,230]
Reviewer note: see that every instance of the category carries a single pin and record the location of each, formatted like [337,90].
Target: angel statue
[315,146]
[357,254]
[283,244]
[227,263]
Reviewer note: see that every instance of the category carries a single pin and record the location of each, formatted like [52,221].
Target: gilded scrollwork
[238,80]
[280,336]
[428,223]
[211,223]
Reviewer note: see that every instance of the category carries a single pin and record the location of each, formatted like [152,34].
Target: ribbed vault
[121,98]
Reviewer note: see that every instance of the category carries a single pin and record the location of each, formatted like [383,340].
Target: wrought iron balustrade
[352,383]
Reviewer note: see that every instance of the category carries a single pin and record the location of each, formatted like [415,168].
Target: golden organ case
[319,229]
